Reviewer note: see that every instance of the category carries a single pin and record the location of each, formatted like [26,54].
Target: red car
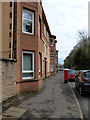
[71,75]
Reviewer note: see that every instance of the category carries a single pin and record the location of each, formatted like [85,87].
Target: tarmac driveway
[55,101]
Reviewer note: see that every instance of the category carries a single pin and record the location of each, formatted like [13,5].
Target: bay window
[28,22]
[27,65]
[39,65]
[52,43]
[52,54]
[52,67]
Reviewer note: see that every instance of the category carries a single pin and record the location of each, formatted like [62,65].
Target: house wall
[45,56]
[0,29]
[53,60]
[28,42]
[45,48]
[6,20]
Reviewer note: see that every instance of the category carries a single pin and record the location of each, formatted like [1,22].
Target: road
[84,102]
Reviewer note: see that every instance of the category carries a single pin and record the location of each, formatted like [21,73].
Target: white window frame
[52,69]
[28,20]
[28,71]
[56,53]
[53,42]
[39,65]
[52,55]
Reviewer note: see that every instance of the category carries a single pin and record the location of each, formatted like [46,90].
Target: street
[54,101]
[84,101]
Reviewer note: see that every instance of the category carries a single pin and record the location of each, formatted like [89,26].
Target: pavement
[55,100]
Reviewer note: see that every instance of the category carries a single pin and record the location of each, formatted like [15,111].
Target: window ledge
[26,33]
[29,80]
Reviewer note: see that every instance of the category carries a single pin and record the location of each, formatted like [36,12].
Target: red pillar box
[66,76]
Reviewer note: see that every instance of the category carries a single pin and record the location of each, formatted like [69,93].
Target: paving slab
[14,112]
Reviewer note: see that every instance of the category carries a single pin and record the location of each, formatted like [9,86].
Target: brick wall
[8,78]
[29,86]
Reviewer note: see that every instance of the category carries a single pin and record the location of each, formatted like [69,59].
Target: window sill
[32,34]
[27,80]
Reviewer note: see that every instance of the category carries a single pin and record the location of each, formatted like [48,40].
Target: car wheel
[81,91]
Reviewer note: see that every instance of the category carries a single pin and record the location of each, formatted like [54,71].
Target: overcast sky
[65,19]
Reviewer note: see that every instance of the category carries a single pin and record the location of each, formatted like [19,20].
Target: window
[56,68]
[56,60]
[39,28]
[9,55]
[56,53]
[52,67]
[28,65]
[10,45]
[51,54]
[51,42]
[10,4]
[10,14]
[10,26]
[28,22]
[39,65]
[10,34]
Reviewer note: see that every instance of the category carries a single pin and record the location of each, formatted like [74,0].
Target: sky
[65,19]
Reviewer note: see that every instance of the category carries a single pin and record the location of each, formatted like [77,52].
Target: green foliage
[79,57]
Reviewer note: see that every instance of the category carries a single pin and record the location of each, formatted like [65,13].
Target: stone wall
[8,78]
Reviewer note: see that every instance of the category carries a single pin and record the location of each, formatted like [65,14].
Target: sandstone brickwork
[8,78]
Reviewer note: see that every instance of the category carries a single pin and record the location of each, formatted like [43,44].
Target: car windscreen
[87,74]
[71,72]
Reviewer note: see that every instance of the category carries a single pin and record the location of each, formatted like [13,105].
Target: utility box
[66,76]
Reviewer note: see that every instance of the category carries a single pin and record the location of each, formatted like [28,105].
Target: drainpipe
[12,30]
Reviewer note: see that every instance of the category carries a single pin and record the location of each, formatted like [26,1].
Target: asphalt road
[84,102]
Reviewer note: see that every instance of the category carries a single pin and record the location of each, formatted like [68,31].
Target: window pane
[27,26]
[27,62]
[27,74]
[51,41]
[51,53]
[52,67]
[39,61]
[39,64]
[27,15]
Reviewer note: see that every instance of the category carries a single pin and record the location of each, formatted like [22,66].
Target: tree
[79,57]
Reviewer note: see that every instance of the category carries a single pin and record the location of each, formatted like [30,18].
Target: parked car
[61,69]
[82,81]
[71,75]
